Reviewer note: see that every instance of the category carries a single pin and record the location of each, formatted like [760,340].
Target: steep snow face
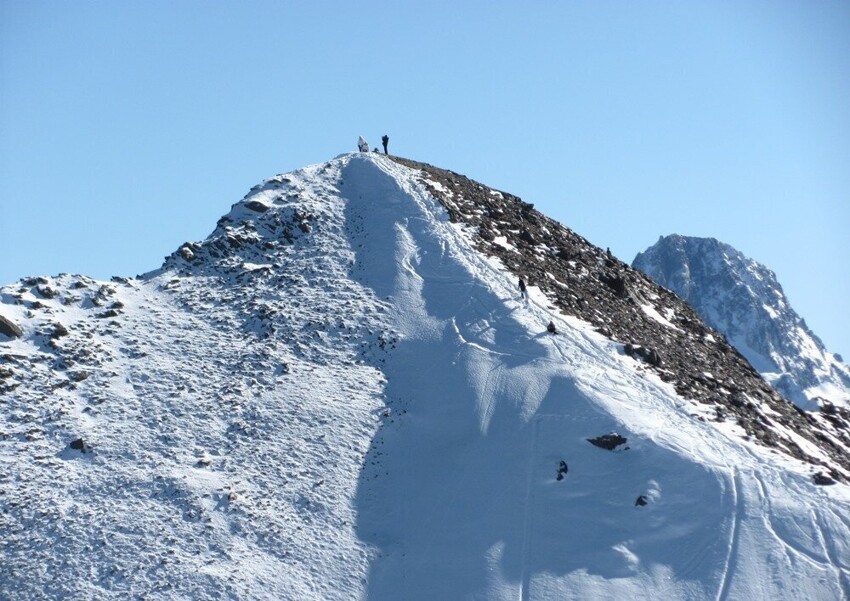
[335,397]
[742,299]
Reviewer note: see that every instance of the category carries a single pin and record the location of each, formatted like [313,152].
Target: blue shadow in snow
[446,502]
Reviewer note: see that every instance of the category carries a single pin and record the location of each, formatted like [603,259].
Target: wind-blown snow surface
[742,299]
[336,397]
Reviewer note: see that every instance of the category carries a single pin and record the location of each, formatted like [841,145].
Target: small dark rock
[615,283]
[526,236]
[608,441]
[58,331]
[78,376]
[641,501]
[827,408]
[305,227]
[257,206]
[78,445]
[651,356]
[46,292]
[108,314]
[822,479]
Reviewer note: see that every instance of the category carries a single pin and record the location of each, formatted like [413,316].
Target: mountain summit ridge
[340,394]
[743,299]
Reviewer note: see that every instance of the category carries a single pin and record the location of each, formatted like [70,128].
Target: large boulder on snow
[609,442]
[10,328]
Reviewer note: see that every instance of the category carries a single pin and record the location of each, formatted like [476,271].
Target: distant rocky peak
[743,299]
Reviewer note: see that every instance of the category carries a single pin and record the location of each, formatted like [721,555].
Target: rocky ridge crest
[627,306]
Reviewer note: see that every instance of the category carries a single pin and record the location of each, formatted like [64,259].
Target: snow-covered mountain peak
[743,299]
[342,394]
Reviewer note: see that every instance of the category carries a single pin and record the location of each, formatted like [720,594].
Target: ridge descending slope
[337,396]
[624,304]
[743,299]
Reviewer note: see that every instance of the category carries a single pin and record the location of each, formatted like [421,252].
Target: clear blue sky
[127,128]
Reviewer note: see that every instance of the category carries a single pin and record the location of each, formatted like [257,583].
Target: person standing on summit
[386,140]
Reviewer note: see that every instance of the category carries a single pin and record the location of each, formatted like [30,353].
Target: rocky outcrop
[627,306]
[609,442]
[10,328]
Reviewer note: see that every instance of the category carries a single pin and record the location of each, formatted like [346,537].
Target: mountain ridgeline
[341,394]
[743,299]
[628,306]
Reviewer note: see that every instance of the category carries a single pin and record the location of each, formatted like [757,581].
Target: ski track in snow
[728,569]
[372,412]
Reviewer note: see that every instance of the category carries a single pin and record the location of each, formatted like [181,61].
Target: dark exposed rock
[107,314]
[10,328]
[58,331]
[527,236]
[305,227]
[649,355]
[78,445]
[256,205]
[608,441]
[78,376]
[615,283]
[822,479]
[186,252]
[581,279]
[46,292]
[641,501]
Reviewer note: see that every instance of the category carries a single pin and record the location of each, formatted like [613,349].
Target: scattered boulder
[615,283]
[257,206]
[78,376]
[305,227]
[58,331]
[827,408]
[10,328]
[649,355]
[46,292]
[641,501]
[79,445]
[108,314]
[609,442]
[527,236]
[187,253]
[822,479]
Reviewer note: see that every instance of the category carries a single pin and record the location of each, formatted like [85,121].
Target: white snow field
[361,407]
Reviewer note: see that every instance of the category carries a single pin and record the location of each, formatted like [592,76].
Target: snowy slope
[335,396]
[742,298]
